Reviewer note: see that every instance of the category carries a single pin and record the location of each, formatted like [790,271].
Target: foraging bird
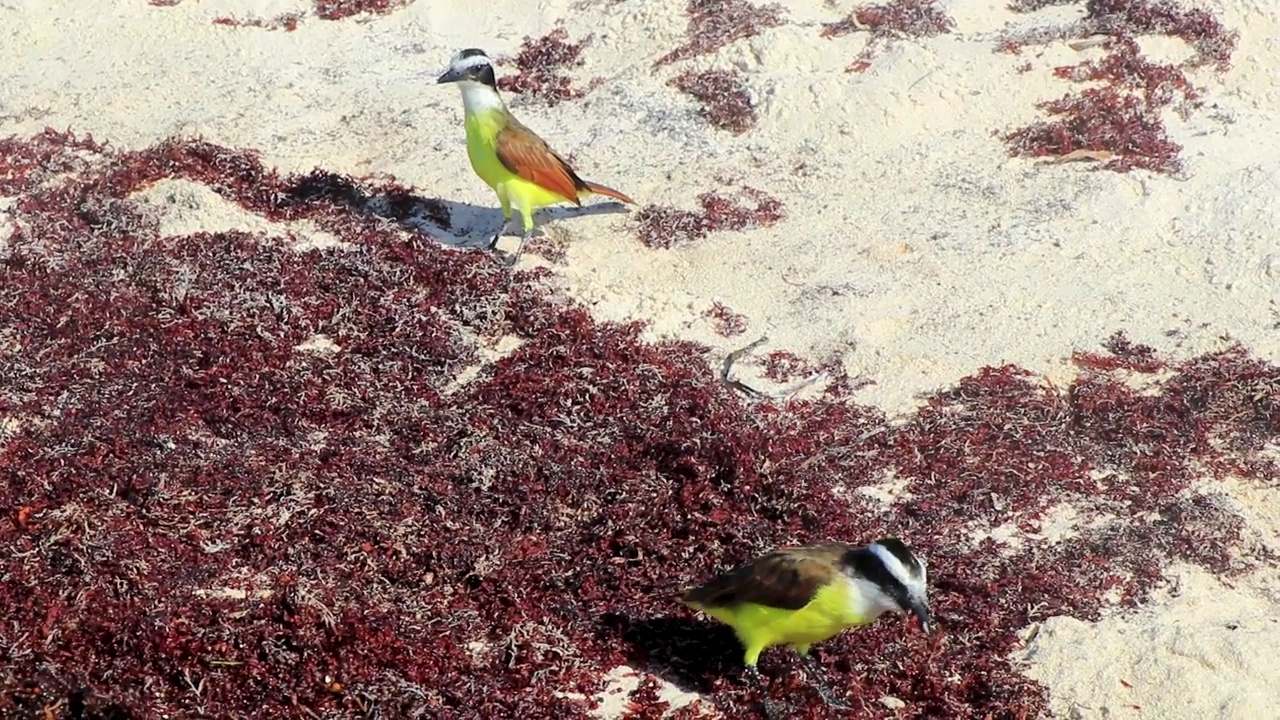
[805,595]
[510,157]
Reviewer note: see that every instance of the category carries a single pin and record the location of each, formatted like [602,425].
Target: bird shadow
[689,653]
[453,224]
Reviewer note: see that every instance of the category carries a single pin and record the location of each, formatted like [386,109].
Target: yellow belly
[759,627]
[512,190]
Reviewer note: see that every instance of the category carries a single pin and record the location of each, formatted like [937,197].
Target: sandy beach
[911,250]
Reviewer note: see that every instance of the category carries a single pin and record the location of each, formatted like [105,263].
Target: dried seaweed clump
[666,227]
[1122,353]
[728,322]
[324,9]
[286,21]
[726,100]
[342,9]
[244,481]
[27,162]
[1121,121]
[1213,43]
[541,63]
[783,366]
[1026,6]
[900,19]
[716,23]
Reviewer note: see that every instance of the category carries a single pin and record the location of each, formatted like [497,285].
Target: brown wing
[527,155]
[786,579]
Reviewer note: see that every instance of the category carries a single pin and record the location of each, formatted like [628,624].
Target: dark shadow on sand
[690,654]
[454,224]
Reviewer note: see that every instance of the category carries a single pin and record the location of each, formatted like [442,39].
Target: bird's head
[470,65]
[895,578]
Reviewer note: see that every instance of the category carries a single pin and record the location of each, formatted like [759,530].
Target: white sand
[914,249]
[1206,651]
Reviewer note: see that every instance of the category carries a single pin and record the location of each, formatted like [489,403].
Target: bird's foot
[831,701]
[493,241]
[820,684]
[772,710]
[514,257]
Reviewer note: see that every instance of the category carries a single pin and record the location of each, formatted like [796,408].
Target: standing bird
[805,595]
[510,157]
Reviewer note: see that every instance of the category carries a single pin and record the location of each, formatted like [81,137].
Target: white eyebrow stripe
[897,569]
[461,63]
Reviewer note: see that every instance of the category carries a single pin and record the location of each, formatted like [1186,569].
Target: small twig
[727,378]
[727,368]
[1088,42]
[811,380]
[1077,156]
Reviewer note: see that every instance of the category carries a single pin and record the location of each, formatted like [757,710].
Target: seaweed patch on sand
[389,478]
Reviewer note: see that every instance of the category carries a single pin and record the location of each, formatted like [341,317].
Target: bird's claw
[820,684]
[772,710]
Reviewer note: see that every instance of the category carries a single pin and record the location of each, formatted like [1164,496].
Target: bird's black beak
[920,609]
[450,75]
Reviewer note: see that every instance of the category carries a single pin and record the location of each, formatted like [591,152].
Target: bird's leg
[493,242]
[506,216]
[820,684]
[527,217]
[520,249]
[772,710]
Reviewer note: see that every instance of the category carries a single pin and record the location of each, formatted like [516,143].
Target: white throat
[868,600]
[479,98]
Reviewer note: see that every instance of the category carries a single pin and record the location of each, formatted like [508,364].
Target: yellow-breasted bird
[805,595]
[511,158]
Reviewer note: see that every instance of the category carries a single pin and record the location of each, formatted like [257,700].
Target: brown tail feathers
[608,191]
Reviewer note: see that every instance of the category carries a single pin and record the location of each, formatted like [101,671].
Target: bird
[520,167]
[800,596]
